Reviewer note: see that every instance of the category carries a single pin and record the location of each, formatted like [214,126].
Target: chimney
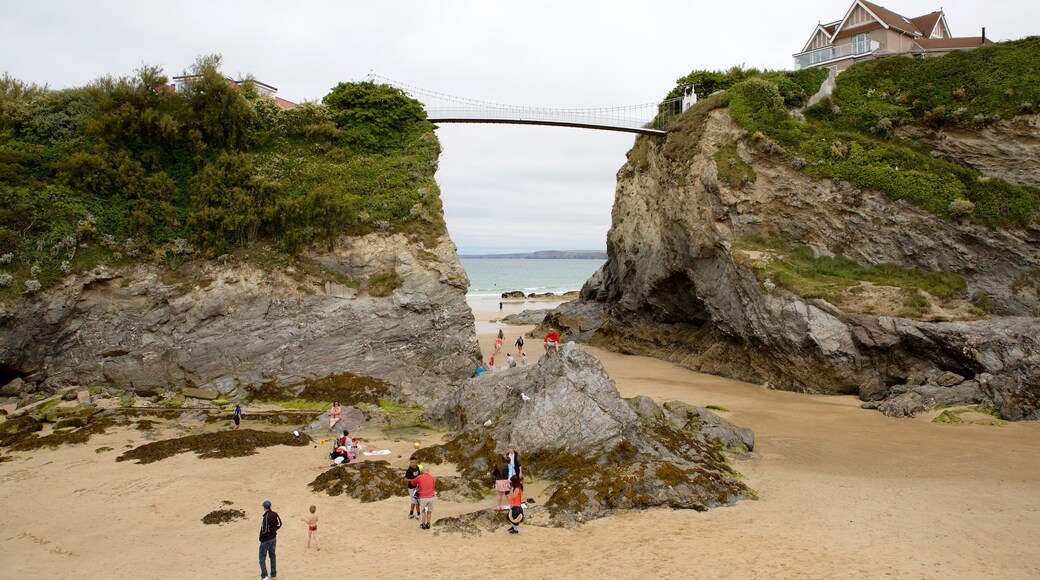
[983,36]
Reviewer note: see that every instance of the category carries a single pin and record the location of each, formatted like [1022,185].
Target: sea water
[490,277]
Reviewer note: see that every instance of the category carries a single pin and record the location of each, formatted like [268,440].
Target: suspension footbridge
[646,119]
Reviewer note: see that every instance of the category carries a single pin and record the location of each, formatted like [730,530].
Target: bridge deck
[505,121]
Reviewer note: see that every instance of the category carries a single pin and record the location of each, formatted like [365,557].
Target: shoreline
[842,492]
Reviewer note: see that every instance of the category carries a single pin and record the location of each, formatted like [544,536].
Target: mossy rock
[18,428]
[367,481]
[223,516]
[347,388]
[214,445]
[71,436]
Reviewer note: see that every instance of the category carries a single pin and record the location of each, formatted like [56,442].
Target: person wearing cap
[269,525]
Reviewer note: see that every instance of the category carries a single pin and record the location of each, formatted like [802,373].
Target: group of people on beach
[551,343]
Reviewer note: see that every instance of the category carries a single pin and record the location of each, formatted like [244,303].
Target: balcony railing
[829,53]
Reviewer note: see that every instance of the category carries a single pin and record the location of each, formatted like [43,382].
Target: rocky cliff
[238,321]
[678,283]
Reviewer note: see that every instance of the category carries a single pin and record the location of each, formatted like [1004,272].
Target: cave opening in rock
[8,374]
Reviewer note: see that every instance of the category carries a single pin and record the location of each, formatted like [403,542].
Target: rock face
[569,423]
[222,325]
[997,149]
[672,288]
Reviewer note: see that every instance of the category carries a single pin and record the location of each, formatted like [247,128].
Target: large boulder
[567,419]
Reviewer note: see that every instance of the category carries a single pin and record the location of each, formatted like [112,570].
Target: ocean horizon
[493,276]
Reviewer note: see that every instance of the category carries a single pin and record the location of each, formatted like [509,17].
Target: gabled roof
[950,43]
[926,24]
[891,19]
[828,31]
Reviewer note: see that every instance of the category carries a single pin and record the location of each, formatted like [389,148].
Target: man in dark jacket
[269,525]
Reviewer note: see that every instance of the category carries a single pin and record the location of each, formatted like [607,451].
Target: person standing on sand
[513,462]
[501,474]
[334,414]
[491,363]
[516,500]
[312,530]
[498,342]
[500,307]
[426,484]
[269,525]
[519,344]
[238,417]
[523,359]
[413,491]
[510,361]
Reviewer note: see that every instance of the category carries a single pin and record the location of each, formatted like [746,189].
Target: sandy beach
[844,492]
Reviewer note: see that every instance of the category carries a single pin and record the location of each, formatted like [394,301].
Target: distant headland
[546,255]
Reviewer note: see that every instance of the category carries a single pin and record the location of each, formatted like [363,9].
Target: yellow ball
[417,445]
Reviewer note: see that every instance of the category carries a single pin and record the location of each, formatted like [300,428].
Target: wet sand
[843,492]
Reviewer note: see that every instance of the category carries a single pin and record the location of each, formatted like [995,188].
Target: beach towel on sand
[378,452]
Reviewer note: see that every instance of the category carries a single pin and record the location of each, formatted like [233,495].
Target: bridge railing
[444,108]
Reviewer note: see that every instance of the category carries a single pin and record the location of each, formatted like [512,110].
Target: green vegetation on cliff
[127,168]
[852,135]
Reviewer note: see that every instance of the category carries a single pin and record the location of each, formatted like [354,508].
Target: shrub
[374,117]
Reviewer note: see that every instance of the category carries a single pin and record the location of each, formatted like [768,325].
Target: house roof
[824,27]
[891,19]
[284,103]
[847,32]
[926,24]
[950,43]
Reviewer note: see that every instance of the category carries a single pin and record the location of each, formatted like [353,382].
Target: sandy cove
[843,492]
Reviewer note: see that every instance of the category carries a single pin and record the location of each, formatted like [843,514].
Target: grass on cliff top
[851,137]
[799,271]
[996,80]
[162,175]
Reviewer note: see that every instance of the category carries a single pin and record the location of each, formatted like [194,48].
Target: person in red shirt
[552,340]
[426,484]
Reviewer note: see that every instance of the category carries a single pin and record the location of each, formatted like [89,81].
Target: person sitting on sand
[523,359]
[552,340]
[334,414]
[340,454]
[510,361]
[312,528]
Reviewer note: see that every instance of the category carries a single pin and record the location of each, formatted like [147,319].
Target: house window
[861,43]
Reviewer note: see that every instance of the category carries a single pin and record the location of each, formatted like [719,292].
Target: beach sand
[843,492]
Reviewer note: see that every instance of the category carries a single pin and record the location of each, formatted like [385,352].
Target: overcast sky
[505,188]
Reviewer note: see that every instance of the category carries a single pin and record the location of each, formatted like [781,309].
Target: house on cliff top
[262,89]
[872,31]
